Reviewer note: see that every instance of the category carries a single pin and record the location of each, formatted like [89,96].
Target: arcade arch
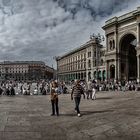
[128,58]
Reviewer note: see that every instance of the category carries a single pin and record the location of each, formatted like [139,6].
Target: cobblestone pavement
[113,116]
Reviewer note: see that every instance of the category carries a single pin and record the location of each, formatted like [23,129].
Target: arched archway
[85,75]
[89,75]
[95,75]
[104,75]
[99,75]
[82,76]
[128,62]
[79,76]
[112,72]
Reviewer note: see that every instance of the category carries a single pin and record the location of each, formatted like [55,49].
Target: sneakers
[79,115]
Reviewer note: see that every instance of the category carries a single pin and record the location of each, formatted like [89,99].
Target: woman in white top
[93,93]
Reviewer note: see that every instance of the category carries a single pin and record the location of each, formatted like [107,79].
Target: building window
[89,54]
[95,63]
[84,55]
[102,62]
[113,44]
[89,63]
[81,56]
[102,53]
[94,53]
[78,57]
[84,65]
[110,45]
[81,66]
[78,66]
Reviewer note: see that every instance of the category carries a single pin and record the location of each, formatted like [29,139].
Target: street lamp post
[98,39]
[57,71]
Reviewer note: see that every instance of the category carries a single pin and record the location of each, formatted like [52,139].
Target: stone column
[74,76]
[107,70]
[138,34]
[117,56]
[87,75]
[138,68]
[116,41]
[119,69]
[138,46]
[107,42]
[116,72]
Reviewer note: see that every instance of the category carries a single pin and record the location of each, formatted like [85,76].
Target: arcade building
[119,60]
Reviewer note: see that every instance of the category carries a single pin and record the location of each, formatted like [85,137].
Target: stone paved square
[113,116]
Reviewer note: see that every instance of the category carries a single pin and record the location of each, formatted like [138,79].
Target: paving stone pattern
[113,116]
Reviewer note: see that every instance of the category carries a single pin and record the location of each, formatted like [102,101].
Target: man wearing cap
[77,90]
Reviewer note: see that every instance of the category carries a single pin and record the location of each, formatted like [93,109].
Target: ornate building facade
[122,53]
[123,46]
[25,70]
[85,63]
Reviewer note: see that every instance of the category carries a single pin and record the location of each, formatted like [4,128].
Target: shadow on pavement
[104,98]
[95,112]
[86,113]
[68,114]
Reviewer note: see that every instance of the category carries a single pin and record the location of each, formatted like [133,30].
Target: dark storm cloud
[42,29]
[100,8]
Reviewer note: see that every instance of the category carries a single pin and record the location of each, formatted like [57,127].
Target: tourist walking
[54,98]
[93,93]
[77,90]
[89,89]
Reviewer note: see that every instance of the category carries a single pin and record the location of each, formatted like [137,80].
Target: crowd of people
[24,88]
[111,86]
[54,88]
[43,87]
[88,90]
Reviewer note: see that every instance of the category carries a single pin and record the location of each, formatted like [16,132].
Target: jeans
[55,106]
[77,103]
[89,94]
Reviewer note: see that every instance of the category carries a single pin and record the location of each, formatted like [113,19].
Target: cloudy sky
[42,29]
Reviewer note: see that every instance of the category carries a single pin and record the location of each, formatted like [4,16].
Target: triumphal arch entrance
[123,46]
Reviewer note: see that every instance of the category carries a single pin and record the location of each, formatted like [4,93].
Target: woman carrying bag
[54,98]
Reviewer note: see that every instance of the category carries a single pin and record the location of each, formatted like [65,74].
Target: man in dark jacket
[76,93]
[12,91]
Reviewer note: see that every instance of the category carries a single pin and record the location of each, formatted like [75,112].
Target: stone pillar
[138,46]
[138,68]
[116,70]
[116,41]
[92,74]
[107,43]
[138,34]
[107,70]
[119,69]
[74,76]
[80,76]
